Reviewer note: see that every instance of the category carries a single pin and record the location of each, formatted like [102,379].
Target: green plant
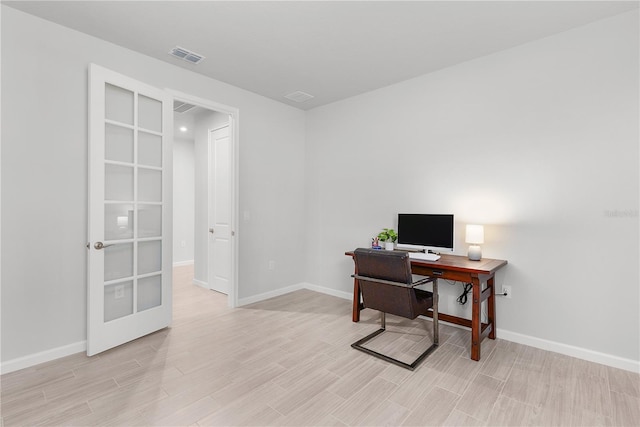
[388,234]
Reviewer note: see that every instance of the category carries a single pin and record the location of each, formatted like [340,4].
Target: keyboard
[424,256]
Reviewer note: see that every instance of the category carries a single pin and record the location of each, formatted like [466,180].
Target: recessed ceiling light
[183,129]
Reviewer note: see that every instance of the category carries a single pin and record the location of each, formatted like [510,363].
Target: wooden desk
[459,268]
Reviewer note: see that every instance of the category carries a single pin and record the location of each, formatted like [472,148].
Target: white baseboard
[56,353]
[556,347]
[200,283]
[42,357]
[183,263]
[328,291]
[270,294]
[569,350]
[293,288]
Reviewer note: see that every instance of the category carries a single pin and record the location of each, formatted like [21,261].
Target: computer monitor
[428,232]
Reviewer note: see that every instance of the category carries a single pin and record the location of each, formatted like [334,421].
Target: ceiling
[329,49]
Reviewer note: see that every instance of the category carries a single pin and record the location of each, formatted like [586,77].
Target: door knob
[211,230]
[100,245]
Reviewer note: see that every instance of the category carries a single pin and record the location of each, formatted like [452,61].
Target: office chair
[386,284]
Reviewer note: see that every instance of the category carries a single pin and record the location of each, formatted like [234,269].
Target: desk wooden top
[458,263]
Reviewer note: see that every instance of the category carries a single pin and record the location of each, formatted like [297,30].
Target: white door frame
[234,128]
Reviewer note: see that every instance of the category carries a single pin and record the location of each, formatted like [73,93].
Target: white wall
[183,200]
[44,179]
[539,143]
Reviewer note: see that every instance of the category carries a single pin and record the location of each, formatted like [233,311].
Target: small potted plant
[388,236]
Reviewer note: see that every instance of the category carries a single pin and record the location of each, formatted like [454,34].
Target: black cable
[462,299]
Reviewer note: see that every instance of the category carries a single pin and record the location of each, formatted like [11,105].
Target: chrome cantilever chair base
[358,345]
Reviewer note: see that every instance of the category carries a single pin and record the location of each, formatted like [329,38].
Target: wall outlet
[119,293]
[183,244]
[272,265]
[506,290]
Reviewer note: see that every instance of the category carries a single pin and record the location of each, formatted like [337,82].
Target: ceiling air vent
[186,55]
[182,107]
[299,96]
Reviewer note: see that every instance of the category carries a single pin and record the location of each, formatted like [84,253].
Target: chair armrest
[388,282]
[424,281]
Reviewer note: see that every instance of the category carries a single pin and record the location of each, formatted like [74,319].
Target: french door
[130,185]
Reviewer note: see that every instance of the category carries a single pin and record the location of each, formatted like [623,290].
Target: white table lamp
[475,236]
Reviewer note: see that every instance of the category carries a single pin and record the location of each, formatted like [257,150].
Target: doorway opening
[206,193]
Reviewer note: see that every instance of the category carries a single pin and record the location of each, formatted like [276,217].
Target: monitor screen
[426,231]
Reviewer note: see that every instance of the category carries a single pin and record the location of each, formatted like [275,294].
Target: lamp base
[475,254]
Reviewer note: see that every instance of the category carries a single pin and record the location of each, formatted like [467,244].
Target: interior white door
[130,185]
[220,209]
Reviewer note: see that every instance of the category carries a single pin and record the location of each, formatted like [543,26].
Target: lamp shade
[474,234]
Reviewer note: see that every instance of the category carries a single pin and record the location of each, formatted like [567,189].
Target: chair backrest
[394,266]
[390,266]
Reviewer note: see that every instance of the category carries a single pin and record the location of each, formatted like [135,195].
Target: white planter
[389,246]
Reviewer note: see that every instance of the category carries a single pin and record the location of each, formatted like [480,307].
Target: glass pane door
[129,284]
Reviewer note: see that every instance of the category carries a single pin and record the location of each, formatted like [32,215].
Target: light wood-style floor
[288,362]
